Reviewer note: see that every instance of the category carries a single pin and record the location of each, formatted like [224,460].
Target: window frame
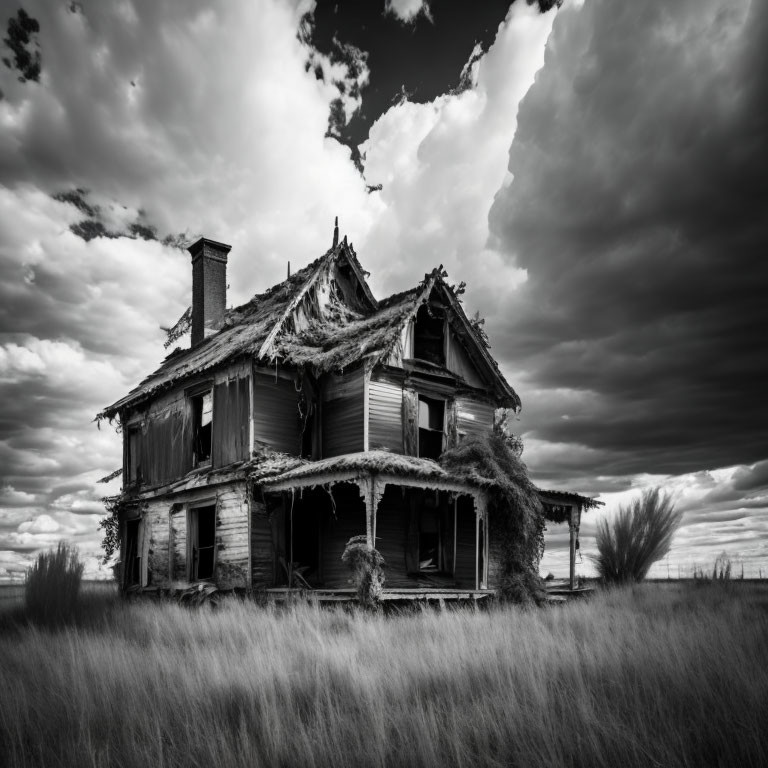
[194,395]
[443,401]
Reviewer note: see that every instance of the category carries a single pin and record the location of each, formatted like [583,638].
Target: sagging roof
[336,336]
[569,497]
[355,465]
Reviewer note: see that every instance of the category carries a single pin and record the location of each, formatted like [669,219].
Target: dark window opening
[134,455]
[202,536]
[132,568]
[202,422]
[308,416]
[429,336]
[302,536]
[431,427]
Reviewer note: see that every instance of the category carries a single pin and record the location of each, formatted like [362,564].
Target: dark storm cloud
[639,207]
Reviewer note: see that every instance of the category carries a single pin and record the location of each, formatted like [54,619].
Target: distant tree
[22,40]
[639,535]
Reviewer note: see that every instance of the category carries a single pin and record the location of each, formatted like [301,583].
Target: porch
[431,530]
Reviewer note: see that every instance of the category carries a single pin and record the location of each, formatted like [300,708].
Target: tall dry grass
[52,585]
[639,535]
[642,676]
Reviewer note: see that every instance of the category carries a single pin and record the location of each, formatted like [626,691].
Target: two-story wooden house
[311,414]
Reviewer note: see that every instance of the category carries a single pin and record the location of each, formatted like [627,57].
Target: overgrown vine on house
[516,514]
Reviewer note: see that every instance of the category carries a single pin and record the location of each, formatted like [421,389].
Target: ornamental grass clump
[516,514]
[639,535]
[52,586]
[367,566]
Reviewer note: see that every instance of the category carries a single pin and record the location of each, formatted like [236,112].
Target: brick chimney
[209,287]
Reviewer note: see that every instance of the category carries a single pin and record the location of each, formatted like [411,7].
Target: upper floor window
[202,422]
[431,427]
[429,335]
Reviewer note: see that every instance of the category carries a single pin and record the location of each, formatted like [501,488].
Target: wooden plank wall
[349,521]
[343,414]
[473,417]
[231,412]
[165,522]
[385,419]
[392,519]
[262,549]
[458,361]
[276,413]
[232,537]
[166,451]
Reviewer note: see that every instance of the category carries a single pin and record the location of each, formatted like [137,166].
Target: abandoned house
[311,414]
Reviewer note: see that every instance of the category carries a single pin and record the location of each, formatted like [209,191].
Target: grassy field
[658,675]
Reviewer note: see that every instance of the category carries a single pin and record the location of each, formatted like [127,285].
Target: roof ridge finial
[336,232]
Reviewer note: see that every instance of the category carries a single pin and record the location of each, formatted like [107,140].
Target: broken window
[429,335]
[202,542]
[132,562]
[431,427]
[134,454]
[202,419]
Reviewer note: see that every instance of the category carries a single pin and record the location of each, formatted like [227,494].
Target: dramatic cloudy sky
[598,174]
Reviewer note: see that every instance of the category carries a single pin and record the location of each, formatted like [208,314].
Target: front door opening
[202,538]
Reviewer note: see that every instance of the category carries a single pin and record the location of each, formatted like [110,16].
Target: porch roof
[568,497]
[390,467]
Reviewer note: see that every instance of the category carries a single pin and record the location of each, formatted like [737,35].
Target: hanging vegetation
[516,515]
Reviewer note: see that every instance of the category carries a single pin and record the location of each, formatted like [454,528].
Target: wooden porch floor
[280,594]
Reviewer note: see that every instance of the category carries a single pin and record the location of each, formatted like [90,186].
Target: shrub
[638,535]
[52,585]
[366,564]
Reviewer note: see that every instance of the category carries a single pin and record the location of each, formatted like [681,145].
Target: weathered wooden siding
[410,421]
[349,521]
[178,527]
[392,519]
[473,417]
[232,538]
[457,361]
[276,414]
[494,558]
[165,532]
[385,416]
[156,537]
[262,549]
[166,450]
[343,414]
[464,571]
[231,413]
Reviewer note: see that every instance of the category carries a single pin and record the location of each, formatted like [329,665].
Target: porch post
[573,529]
[377,491]
[481,579]
[366,492]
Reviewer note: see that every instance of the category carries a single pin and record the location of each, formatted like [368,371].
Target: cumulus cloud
[408,11]
[440,164]
[636,205]
[231,146]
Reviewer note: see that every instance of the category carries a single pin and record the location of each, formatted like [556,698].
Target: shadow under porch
[434,542]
